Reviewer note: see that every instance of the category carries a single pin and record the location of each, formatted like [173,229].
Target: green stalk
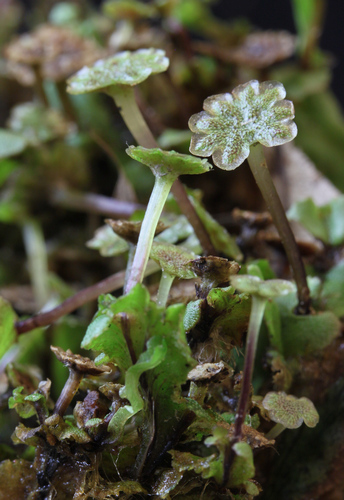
[162,187]
[124,98]
[165,284]
[256,317]
[275,431]
[263,178]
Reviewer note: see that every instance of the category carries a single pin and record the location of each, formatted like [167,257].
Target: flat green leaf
[325,222]
[168,163]
[304,16]
[332,293]
[149,359]
[8,334]
[171,138]
[107,242]
[179,229]
[304,335]
[272,320]
[125,68]
[321,134]
[311,217]
[25,409]
[219,236]
[166,380]
[37,124]
[105,337]
[301,83]
[243,466]
[11,144]
[119,322]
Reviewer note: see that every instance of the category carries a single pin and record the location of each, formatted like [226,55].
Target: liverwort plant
[234,127]
[117,76]
[288,412]
[260,291]
[175,262]
[166,167]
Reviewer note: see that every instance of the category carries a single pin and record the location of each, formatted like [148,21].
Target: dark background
[277,14]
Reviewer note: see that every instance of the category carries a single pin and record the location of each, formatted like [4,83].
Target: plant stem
[68,392]
[263,178]
[65,102]
[275,431]
[165,284]
[110,284]
[162,187]
[256,317]
[39,85]
[124,98]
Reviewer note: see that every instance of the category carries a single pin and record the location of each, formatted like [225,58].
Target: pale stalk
[165,284]
[256,317]
[162,187]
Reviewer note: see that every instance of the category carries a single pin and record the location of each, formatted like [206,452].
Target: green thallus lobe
[254,114]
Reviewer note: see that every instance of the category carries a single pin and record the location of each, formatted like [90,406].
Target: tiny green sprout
[117,76]
[166,167]
[233,127]
[289,412]
[260,291]
[175,262]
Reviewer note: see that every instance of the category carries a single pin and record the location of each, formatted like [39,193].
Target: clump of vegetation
[188,344]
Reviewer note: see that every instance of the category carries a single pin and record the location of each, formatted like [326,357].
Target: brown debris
[208,371]
[79,363]
[130,230]
[93,406]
